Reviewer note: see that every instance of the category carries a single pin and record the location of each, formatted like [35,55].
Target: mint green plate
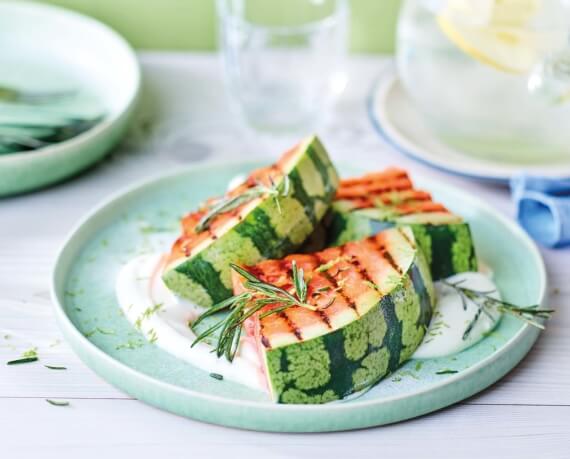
[45,48]
[145,218]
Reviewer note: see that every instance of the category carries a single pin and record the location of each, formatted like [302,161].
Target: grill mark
[293,327]
[358,266]
[371,178]
[323,315]
[385,254]
[320,312]
[373,191]
[211,233]
[255,271]
[405,236]
[339,290]
[390,259]
[265,341]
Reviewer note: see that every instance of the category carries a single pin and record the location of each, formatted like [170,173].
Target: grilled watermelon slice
[374,301]
[266,226]
[373,202]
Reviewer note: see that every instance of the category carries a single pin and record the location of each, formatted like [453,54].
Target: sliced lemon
[494,32]
[506,48]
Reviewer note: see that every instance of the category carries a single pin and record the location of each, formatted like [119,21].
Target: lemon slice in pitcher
[494,32]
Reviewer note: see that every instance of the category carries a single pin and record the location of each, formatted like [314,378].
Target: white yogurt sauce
[139,289]
[449,322]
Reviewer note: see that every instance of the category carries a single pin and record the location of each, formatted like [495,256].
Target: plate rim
[76,338]
[382,86]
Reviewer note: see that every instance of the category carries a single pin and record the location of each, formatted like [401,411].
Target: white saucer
[397,121]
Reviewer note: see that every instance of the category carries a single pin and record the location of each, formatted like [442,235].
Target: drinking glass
[490,77]
[283,61]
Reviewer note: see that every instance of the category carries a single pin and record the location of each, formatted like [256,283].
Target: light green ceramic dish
[45,48]
[145,218]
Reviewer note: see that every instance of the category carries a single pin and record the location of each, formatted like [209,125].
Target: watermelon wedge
[372,302]
[268,216]
[380,200]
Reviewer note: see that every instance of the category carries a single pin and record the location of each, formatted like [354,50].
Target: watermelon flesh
[373,302]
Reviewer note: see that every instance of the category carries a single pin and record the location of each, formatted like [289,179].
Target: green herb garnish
[217,376]
[446,371]
[22,360]
[55,367]
[246,304]
[57,402]
[486,304]
[147,313]
[228,203]
[105,331]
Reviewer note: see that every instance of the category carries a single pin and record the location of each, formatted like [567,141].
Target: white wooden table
[527,414]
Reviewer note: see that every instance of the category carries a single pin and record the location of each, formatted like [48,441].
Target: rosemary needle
[23,360]
[57,402]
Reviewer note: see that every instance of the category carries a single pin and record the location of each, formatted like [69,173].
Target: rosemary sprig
[226,204]
[246,304]
[486,304]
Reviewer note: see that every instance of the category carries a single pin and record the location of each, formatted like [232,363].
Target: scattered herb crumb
[131,344]
[217,376]
[33,352]
[419,365]
[78,309]
[150,229]
[73,293]
[105,331]
[396,379]
[446,371]
[104,242]
[57,402]
[147,313]
[7,336]
[55,367]
[408,373]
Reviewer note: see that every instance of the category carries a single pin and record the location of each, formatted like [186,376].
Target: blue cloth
[543,208]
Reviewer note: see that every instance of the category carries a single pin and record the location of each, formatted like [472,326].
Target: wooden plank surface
[524,415]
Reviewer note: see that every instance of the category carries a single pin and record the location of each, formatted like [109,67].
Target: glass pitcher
[490,77]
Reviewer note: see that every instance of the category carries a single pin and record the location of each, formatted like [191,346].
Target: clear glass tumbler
[284,61]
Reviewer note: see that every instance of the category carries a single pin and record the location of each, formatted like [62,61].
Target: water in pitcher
[491,77]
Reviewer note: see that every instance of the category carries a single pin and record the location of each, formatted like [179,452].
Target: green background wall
[190,24]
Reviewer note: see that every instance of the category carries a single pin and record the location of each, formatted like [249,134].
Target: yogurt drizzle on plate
[163,318]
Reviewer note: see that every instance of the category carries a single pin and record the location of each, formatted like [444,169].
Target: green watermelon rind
[447,247]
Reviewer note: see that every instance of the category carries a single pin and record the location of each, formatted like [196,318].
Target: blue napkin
[543,208]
